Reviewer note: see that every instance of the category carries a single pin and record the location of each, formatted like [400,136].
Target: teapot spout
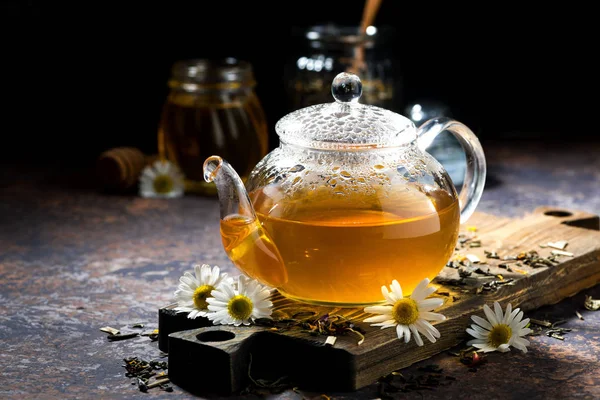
[233,198]
[246,242]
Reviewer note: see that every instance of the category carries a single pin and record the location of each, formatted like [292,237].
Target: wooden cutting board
[205,359]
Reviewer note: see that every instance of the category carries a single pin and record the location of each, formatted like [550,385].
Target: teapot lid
[345,123]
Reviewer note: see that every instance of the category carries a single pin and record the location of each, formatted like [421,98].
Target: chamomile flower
[161,179]
[239,305]
[409,315]
[500,330]
[194,289]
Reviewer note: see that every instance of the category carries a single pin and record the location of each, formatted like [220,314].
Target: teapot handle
[474,181]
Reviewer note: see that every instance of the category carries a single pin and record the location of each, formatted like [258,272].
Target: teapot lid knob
[346,88]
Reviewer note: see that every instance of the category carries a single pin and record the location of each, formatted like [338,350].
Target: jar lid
[345,123]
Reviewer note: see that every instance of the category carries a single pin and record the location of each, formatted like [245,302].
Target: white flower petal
[390,297]
[418,339]
[430,328]
[512,316]
[472,332]
[191,283]
[241,288]
[377,318]
[490,315]
[220,294]
[472,342]
[406,333]
[263,294]
[498,312]
[523,332]
[424,330]
[429,304]
[205,274]
[215,276]
[503,348]
[396,289]
[422,294]
[417,293]
[507,313]
[216,303]
[520,346]
[430,316]
[227,290]
[482,322]
[480,330]
[399,331]
[379,310]
[487,348]
[522,324]
[263,304]
[386,324]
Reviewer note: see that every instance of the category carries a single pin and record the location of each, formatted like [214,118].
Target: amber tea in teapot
[347,203]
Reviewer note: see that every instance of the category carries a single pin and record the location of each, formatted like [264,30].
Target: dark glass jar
[323,51]
[212,109]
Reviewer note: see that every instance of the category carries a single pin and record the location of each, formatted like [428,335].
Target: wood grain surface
[381,353]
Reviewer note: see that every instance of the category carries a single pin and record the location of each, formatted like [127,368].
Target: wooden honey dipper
[120,168]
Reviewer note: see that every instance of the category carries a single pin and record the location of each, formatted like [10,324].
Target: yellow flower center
[500,334]
[163,184]
[405,311]
[240,307]
[201,294]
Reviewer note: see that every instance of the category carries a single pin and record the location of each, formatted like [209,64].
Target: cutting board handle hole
[558,213]
[215,336]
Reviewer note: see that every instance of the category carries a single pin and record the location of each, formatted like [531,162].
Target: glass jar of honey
[212,108]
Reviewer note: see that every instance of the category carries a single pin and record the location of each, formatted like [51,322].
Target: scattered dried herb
[560,245]
[591,304]
[143,371]
[473,258]
[328,325]
[330,340]
[125,336]
[153,335]
[551,330]
[546,324]
[137,325]
[562,253]
[494,285]
[108,329]
[429,377]
[491,254]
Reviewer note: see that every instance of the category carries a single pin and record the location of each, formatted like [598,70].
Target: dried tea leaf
[591,304]
[560,245]
[562,253]
[491,254]
[546,324]
[125,336]
[108,329]
[473,258]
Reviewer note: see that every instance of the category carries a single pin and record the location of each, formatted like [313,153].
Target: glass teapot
[347,203]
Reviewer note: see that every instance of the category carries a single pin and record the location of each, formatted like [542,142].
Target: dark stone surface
[73,260]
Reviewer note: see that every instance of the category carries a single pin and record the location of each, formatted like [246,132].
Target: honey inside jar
[341,250]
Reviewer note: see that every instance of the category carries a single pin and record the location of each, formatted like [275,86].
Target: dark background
[80,78]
